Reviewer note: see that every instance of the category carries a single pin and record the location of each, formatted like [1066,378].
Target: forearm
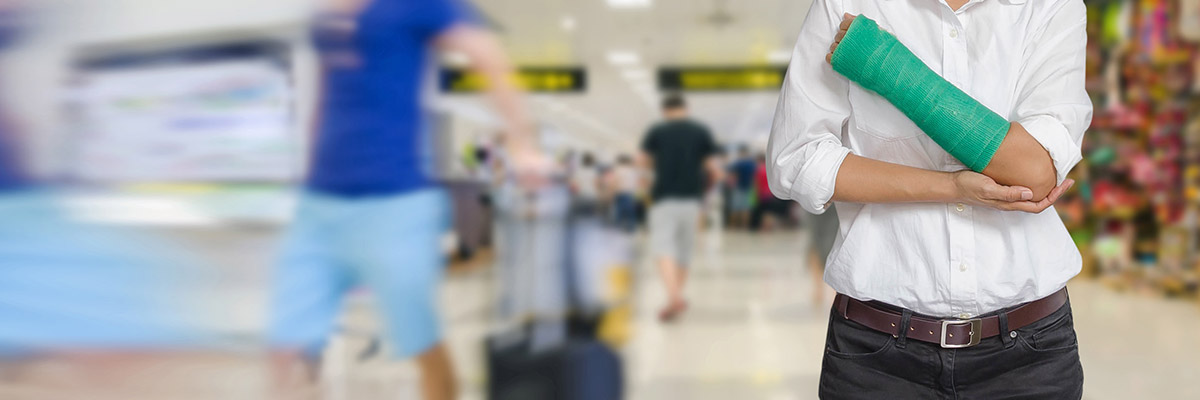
[1022,161]
[864,180]
[983,140]
[509,102]
[877,61]
[488,59]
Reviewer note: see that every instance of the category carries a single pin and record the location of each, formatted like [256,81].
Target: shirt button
[953,33]
[960,207]
[962,267]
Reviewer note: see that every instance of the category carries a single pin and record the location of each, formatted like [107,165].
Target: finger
[1007,193]
[1057,192]
[1069,183]
[1009,205]
[1017,193]
[1045,203]
[1054,195]
[1051,198]
[829,58]
[1028,206]
[847,19]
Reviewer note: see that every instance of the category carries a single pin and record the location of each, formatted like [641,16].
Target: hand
[846,20]
[530,167]
[979,190]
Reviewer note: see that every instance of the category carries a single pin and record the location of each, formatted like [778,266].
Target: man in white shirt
[951,282]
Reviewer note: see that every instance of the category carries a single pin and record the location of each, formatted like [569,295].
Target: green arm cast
[958,123]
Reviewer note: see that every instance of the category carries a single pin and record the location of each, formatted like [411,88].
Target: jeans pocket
[1055,335]
[850,340]
[856,355]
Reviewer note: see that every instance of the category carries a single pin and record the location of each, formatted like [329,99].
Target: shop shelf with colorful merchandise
[1136,210]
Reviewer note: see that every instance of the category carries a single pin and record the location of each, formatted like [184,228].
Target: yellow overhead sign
[542,80]
[721,78]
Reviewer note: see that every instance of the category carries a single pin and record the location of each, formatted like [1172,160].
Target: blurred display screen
[541,80]
[212,114]
[721,78]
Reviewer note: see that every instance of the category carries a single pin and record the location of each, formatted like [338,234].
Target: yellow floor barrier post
[616,324]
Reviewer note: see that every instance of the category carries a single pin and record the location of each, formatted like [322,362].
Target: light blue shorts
[390,244]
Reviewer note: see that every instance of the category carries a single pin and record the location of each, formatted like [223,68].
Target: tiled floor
[754,332]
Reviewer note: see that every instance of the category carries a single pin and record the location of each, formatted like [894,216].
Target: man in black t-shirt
[680,150]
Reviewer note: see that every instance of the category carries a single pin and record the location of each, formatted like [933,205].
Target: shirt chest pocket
[875,116]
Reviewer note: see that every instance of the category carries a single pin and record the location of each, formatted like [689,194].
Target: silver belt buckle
[976,327]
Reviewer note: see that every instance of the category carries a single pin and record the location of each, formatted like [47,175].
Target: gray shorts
[673,227]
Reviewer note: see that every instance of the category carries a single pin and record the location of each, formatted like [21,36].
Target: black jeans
[1040,362]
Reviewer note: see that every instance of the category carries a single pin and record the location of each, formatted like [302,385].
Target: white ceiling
[615,111]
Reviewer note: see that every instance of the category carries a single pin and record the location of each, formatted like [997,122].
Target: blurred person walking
[626,180]
[679,150]
[742,170]
[765,204]
[370,213]
[86,306]
[950,279]
[585,179]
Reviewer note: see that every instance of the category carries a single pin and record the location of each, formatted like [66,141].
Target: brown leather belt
[950,333]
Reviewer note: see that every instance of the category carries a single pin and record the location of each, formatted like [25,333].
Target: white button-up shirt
[1023,60]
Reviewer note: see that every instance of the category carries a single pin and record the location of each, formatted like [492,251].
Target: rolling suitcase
[577,369]
[539,353]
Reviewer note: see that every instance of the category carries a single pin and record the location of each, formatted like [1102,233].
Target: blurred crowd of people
[737,199]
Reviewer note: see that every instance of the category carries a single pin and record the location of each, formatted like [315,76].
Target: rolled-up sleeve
[805,150]
[1052,103]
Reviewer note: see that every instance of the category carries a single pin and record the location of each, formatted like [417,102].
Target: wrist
[948,190]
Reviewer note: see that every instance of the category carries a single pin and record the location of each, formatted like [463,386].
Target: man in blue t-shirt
[370,214]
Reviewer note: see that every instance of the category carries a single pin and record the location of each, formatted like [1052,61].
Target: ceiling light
[623,57]
[629,3]
[568,23]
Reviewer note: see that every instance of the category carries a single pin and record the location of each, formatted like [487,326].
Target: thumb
[1012,193]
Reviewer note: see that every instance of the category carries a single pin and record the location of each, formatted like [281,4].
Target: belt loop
[1005,337]
[844,305]
[905,320]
